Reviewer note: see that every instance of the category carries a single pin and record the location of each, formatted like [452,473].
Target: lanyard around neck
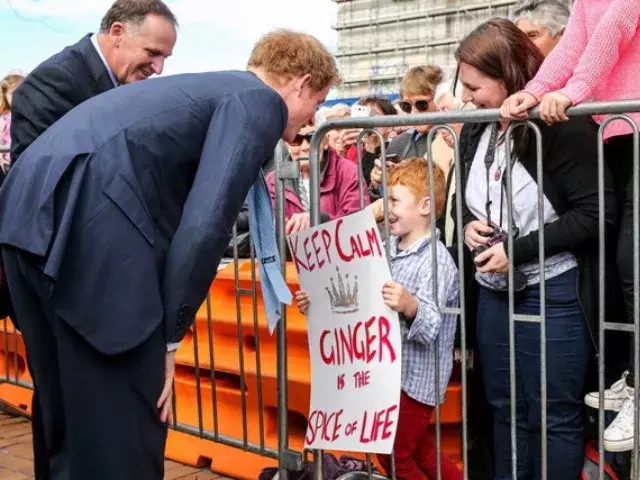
[489,159]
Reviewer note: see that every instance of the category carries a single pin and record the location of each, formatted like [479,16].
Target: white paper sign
[354,338]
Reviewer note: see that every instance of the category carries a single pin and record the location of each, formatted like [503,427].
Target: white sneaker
[614,397]
[618,437]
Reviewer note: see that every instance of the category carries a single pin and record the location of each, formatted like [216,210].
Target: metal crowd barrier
[205,357]
[440,121]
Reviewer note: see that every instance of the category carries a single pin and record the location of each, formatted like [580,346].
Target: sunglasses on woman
[421,105]
[300,138]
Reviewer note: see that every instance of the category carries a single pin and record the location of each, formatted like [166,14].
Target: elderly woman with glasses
[339,192]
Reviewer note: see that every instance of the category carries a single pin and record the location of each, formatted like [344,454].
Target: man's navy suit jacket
[128,201]
[54,87]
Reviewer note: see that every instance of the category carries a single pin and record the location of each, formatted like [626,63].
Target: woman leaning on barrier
[497,60]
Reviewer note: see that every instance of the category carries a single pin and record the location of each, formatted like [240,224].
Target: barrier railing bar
[256,334]
[513,317]
[212,369]
[636,299]
[361,182]
[15,354]
[361,194]
[463,308]
[196,361]
[360,476]
[543,300]
[174,404]
[19,383]
[619,327]
[6,348]
[512,334]
[604,326]
[433,247]
[243,388]
[282,375]
[369,467]
[229,441]
[460,116]
[526,318]
[601,302]
[359,144]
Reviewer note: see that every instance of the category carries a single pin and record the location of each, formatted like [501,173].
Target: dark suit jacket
[130,198]
[55,86]
[404,145]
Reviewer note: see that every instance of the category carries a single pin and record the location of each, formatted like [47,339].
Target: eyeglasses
[421,105]
[296,142]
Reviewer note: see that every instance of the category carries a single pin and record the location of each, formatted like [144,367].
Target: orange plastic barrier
[13,366]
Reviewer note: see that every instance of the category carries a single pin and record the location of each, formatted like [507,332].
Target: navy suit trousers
[97,415]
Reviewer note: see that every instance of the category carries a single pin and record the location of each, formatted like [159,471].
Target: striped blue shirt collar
[414,248]
[94,40]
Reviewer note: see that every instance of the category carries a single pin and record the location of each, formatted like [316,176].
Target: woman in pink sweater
[598,59]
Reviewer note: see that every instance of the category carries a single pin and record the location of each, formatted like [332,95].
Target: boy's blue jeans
[568,351]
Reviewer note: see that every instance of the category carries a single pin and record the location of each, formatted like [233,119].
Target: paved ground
[16,456]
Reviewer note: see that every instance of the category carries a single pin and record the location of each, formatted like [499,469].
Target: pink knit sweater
[597,59]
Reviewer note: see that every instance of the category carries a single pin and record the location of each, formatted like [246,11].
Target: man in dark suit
[112,225]
[135,38]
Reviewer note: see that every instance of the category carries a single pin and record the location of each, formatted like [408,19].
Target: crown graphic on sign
[343,297]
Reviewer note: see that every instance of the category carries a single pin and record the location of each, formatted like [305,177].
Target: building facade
[379,40]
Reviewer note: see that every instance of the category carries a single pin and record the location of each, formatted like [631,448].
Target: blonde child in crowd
[410,293]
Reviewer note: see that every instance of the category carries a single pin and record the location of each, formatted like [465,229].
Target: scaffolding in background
[379,40]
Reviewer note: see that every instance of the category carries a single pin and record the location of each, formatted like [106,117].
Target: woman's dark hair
[384,104]
[503,52]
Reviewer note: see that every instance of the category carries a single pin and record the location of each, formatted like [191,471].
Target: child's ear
[424,206]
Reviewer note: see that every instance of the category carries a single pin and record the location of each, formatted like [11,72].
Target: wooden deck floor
[16,455]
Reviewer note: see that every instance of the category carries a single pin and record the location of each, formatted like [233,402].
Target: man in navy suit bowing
[112,225]
[135,38]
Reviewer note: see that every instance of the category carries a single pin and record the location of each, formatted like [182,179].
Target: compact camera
[498,236]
